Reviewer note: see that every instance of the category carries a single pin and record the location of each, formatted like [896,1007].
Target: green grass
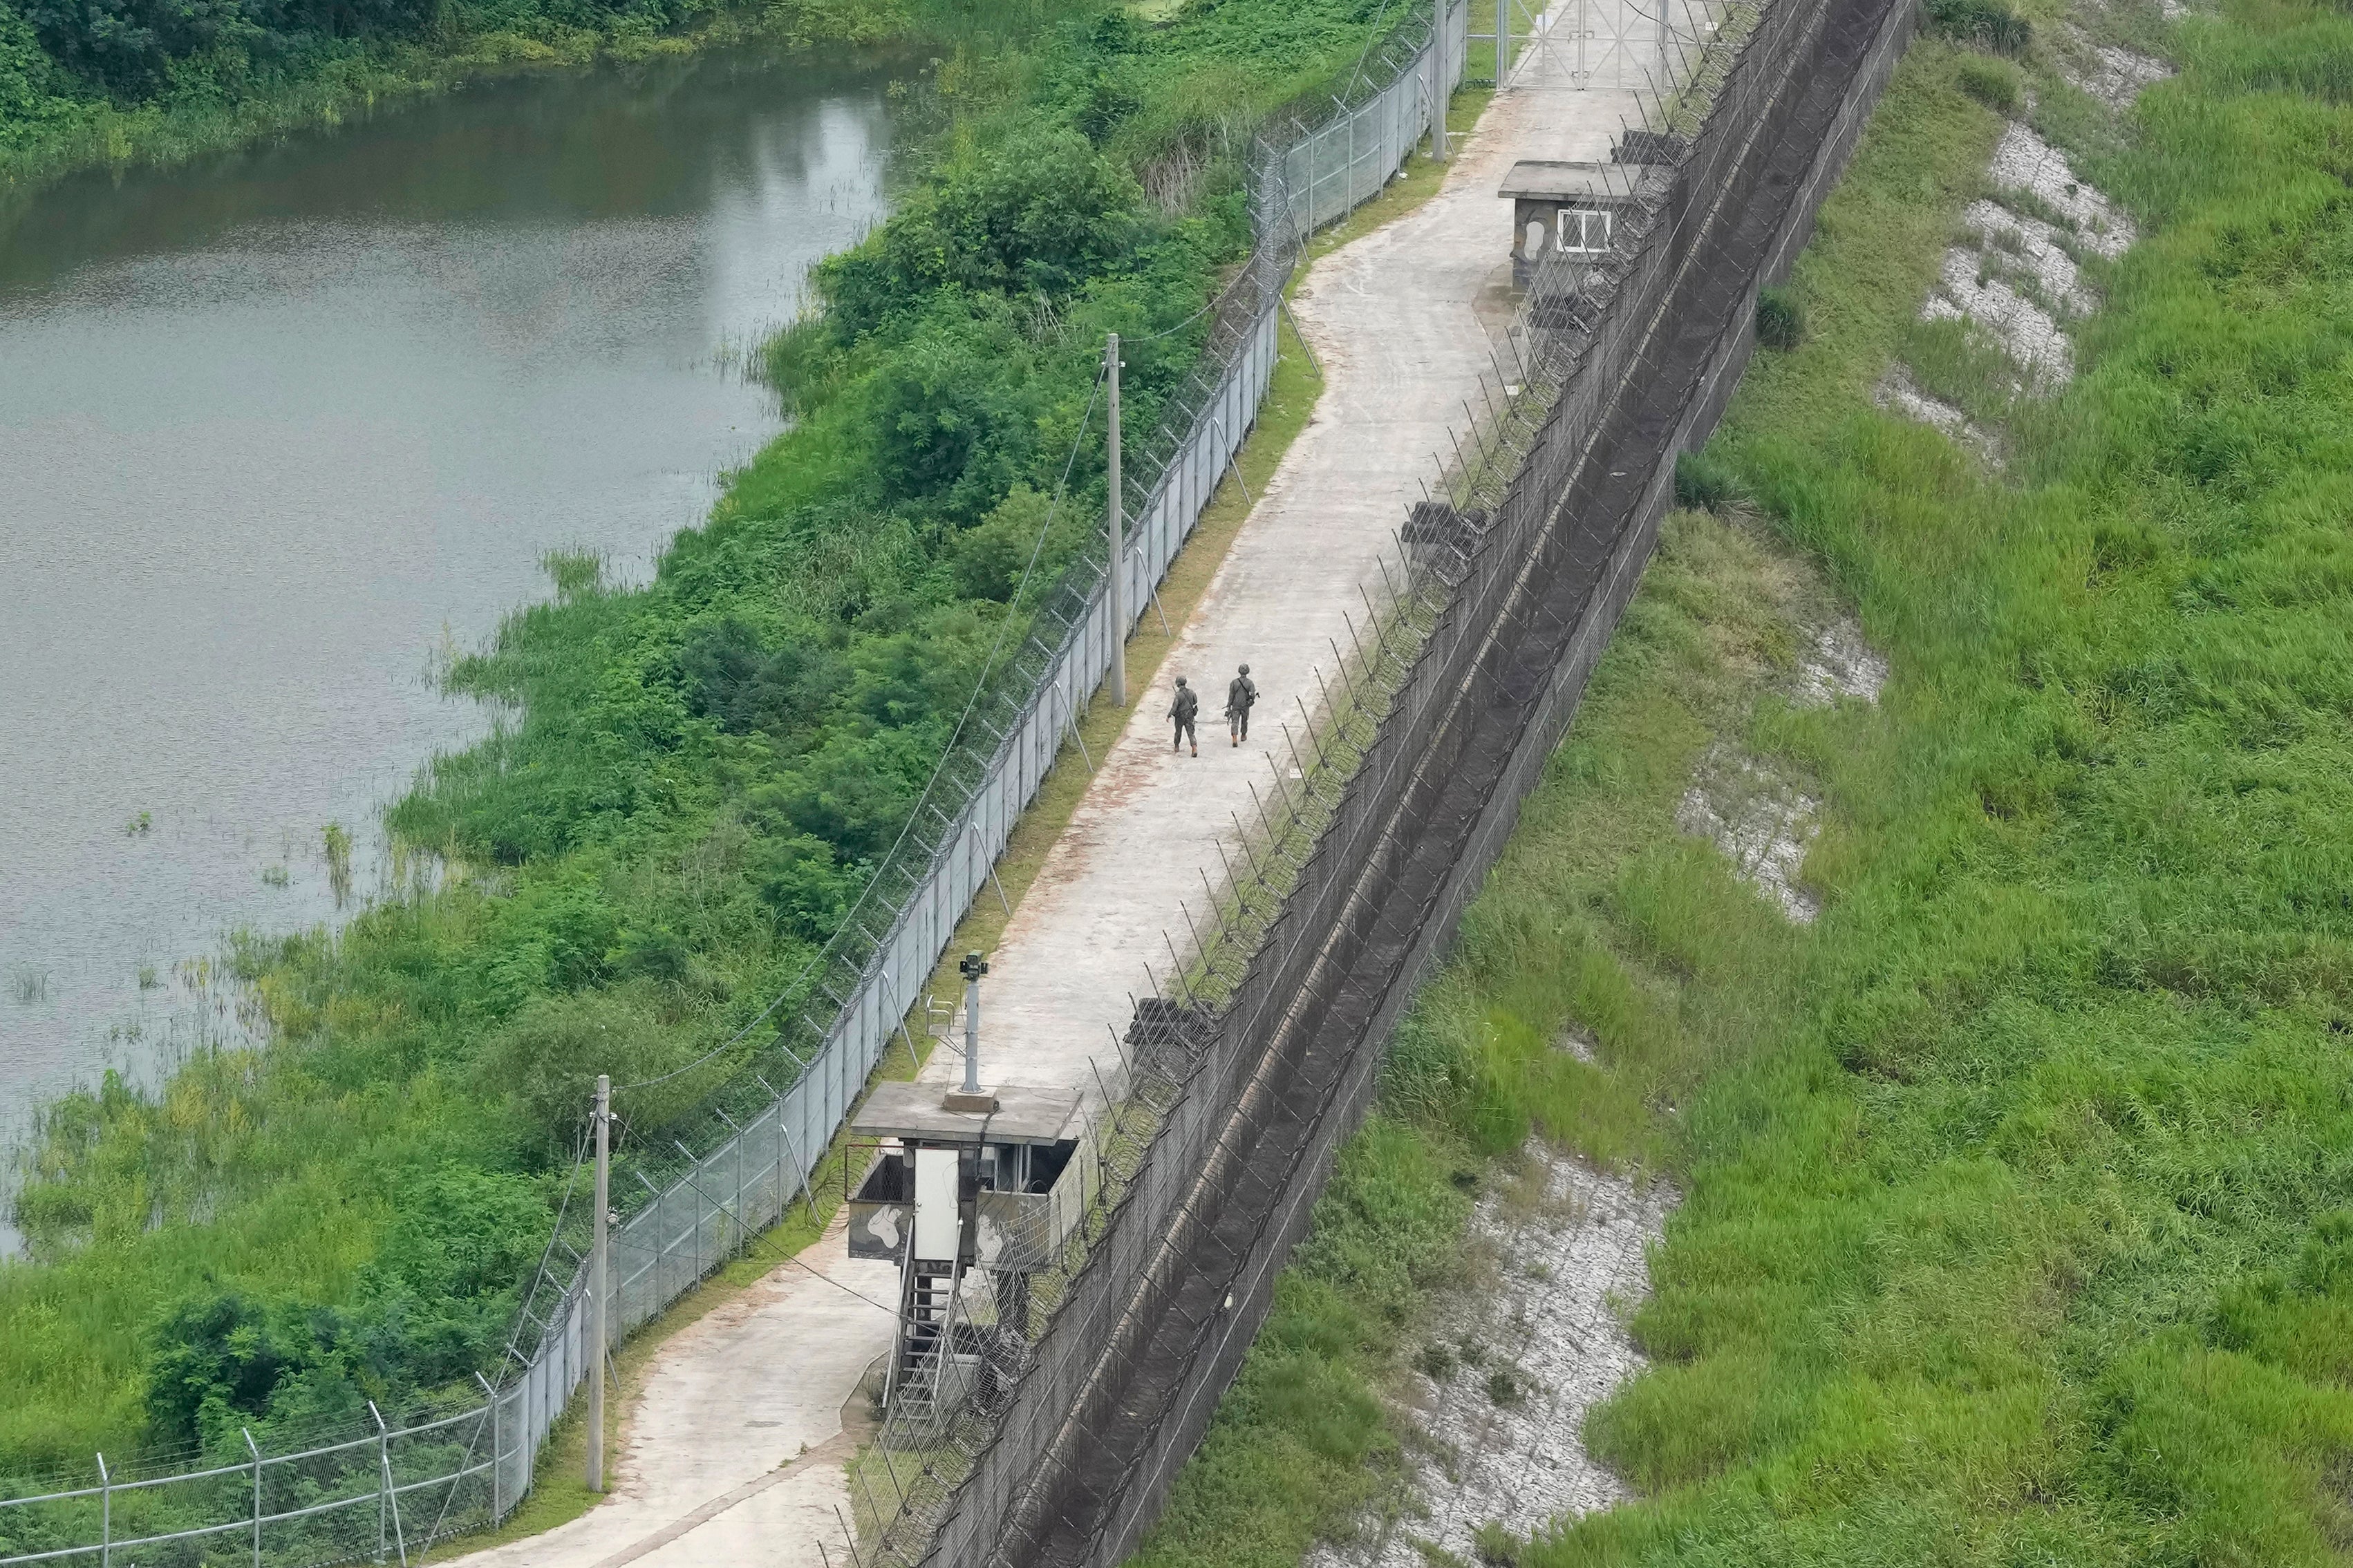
[2017,1220]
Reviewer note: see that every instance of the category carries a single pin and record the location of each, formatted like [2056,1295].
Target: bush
[1704,482]
[433,1306]
[730,678]
[1040,217]
[991,557]
[1781,320]
[1988,22]
[547,1059]
[1994,83]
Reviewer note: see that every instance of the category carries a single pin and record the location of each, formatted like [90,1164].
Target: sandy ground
[737,1446]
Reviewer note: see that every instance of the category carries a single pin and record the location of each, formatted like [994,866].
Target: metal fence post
[383,1488]
[1118,553]
[383,1479]
[498,1463]
[255,1449]
[105,1515]
[599,1268]
[1437,82]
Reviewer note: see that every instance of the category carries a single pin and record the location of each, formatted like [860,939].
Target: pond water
[281,430]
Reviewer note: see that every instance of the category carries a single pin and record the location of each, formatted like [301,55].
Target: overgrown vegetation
[2016,1226]
[1780,318]
[114,81]
[701,772]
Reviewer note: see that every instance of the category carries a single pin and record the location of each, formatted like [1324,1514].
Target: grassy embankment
[704,770]
[2017,1222]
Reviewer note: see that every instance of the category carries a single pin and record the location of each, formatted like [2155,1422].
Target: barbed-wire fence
[1080,1389]
[384,1485]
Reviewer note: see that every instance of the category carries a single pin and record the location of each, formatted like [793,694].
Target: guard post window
[1584,231]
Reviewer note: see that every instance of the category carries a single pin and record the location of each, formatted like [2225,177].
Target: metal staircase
[919,1386]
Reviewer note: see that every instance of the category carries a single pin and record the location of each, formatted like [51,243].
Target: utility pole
[599,1266]
[1118,539]
[1438,94]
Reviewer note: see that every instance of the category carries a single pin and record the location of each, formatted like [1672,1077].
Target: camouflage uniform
[1241,695]
[1182,710]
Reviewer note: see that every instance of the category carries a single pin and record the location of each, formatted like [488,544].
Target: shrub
[1495,1546]
[547,1059]
[1994,83]
[1041,217]
[730,678]
[991,556]
[217,1355]
[1704,482]
[1781,320]
[1989,22]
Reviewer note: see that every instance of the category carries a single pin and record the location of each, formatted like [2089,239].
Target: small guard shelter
[1562,208]
[951,1190]
[961,1184]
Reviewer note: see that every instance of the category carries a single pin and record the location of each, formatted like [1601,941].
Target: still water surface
[279,431]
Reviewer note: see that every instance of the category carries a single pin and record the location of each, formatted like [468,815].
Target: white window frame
[1590,224]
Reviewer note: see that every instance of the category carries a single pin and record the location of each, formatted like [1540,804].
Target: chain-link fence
[377,1494]
[1086,1385]
[313,1496]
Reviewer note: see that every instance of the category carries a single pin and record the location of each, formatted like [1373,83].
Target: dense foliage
[116,81]
[699,776]
[2017,1188]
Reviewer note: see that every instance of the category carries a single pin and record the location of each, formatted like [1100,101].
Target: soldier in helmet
[1182,710]
[1241,694]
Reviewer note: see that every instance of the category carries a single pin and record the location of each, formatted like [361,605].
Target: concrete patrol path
[736,1447]
[1398,321]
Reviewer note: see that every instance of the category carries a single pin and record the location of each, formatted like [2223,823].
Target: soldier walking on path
[1182,710]
[1241,695]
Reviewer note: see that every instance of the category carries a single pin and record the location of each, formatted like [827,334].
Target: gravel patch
[1897,393]
[1967,291]
[2016,277]
[2033,252]
[1841,664]
[2113,75]
[1515,1357]
[1762,821]
[2024,161]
